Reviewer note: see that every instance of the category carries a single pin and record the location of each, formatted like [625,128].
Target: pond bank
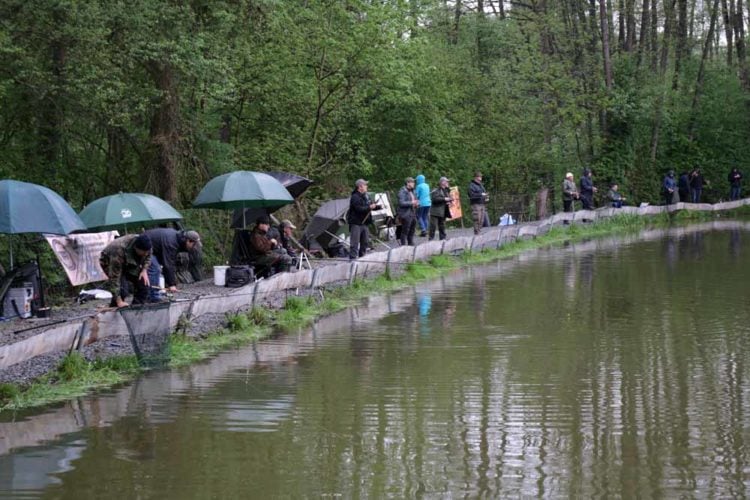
[75,376]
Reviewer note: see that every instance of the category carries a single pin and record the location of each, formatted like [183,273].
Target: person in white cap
[286,237]
[570,192]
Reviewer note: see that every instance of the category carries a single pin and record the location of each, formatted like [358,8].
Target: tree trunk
[605,46]
[621,25]
[739,40]
[728,30]
[681,43]
[456,21]
[654,36]
[701,71]
[164,134]
[51,120]
[630,24]
[643,39]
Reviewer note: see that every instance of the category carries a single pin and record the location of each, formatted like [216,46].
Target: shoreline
[75,376]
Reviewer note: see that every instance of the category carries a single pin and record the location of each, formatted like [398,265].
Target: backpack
[238,276]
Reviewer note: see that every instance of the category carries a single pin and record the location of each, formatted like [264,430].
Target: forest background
[159,96]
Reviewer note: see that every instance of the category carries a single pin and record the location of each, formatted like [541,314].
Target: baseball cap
[263,219]
[444,179]
[192,236]
[360,182]
[288,223]
[569,174]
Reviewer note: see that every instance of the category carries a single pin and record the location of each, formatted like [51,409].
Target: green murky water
[606,369]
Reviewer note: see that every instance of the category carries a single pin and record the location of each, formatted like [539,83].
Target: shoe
[423,234]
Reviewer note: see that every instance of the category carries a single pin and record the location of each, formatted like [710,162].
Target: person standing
[439,211]
[167,243]
[587,189]
[669,188]
[422,191]
[683,187]
[478,198]
[407,211]
[126,260]
[735,184]
[359,217]
[696,185]
[570,192]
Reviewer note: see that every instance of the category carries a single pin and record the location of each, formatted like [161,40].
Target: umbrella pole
[10,238]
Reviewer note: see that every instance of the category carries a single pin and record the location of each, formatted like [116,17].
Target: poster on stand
[455,207]
[79,255]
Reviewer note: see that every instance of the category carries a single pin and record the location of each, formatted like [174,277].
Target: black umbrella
[295,184]
[327,221]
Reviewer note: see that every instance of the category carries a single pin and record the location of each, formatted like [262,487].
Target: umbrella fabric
[31,208]
[127,209]
[295,184]
[243,189]
[328,219]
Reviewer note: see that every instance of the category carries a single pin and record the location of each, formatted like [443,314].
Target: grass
[75,376]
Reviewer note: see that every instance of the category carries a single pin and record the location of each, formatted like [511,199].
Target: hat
[409,179]
[143,242]
[444,179]
[569,174]
[288,223]
[192,236]
[360,182]
[477,174]
[263,219]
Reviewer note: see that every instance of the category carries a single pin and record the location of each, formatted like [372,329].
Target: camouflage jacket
[120,257]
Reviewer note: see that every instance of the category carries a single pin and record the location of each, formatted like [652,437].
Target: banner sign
[79,254]
[455,207]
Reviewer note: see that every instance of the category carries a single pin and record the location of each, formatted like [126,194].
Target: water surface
[606,369]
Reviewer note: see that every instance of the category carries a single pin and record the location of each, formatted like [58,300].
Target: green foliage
[8,392]
[73,366]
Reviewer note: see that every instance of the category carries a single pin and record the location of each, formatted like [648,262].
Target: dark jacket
[167,244]
[669,183]
[406,198]
[735,178]
[440,197]
[684,183]
[587,187]
[359,209]
[477,193]
[697,180]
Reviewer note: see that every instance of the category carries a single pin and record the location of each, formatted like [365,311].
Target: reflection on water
[610,368]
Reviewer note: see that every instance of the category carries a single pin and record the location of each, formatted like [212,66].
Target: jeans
[359,240]
[735,193]
[695,195]
[154,272]
[423,216]
[617,204]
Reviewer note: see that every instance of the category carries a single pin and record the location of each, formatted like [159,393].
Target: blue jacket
[422,192]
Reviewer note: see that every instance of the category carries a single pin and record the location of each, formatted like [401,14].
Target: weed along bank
[305,294]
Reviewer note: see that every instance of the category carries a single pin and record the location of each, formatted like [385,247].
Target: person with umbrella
[167,243]
[126,260]
[359,216]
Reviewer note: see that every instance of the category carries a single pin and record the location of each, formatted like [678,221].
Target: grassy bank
[75,376]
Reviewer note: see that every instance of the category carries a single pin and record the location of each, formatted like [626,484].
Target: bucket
[220,275]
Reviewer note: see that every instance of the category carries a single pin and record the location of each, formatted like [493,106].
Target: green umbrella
[125,210]
[243,189]
[31,208]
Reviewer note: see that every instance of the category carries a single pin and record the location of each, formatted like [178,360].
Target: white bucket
[220,275]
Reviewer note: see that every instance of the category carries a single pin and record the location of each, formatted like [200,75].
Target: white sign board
[79,254]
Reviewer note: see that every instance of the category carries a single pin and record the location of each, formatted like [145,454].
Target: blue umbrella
[31,208]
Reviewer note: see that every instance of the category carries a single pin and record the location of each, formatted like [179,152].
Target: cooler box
[23,297]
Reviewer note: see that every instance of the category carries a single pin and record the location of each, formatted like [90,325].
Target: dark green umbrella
[243,189]
[125,210]
[31,208]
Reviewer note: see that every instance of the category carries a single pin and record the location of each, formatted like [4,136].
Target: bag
[238,276]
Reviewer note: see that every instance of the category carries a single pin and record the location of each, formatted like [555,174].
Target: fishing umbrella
[127,209]
[243,189]
[327,221]
[295,184]
[31,208]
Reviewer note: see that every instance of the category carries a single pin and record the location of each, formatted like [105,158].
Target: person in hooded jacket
[669,188]
[359,217]
[735,183]
[407,206]
[422,191]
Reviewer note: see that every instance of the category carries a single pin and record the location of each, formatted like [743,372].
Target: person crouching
[126,261]
[261,249]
